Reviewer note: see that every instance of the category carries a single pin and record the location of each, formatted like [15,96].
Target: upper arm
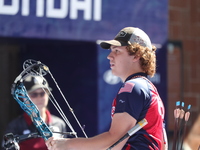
[121,124]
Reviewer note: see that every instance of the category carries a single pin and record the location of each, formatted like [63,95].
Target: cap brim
[107,44]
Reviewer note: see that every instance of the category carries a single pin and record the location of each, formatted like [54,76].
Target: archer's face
[40,98]
[121,62]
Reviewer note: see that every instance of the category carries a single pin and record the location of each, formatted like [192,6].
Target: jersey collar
[136,74]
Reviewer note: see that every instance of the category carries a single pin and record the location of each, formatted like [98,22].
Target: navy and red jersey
[140,99]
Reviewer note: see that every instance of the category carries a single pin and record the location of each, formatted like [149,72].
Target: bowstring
[70,108]
[57,106]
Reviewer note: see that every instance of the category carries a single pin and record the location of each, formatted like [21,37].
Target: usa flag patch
[128,87]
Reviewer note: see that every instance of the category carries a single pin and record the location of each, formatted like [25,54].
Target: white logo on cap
[138,40]
[140,37]
[121,34]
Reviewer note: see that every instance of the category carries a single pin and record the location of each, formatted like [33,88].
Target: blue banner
[86,20]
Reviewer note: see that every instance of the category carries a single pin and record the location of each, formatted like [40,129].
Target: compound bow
[36,68]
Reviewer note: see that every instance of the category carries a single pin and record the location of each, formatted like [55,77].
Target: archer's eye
[116,51]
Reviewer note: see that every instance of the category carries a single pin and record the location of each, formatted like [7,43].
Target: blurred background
[64,35]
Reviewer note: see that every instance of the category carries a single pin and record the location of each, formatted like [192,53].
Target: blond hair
[147,57]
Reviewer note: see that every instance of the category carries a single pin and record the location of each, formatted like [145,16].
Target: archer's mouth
[112,65]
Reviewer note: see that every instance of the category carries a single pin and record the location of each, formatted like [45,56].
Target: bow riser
[20,95]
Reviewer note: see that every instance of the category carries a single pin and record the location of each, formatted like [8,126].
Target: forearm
[100,142]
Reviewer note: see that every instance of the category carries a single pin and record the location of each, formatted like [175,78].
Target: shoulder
[17,120]
[127,87]
[139,83]
[133,85]
[16,125]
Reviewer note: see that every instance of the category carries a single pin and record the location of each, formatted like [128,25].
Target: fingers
[55,143]
[49,143]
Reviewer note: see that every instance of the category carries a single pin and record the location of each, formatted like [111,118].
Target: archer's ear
[136,58]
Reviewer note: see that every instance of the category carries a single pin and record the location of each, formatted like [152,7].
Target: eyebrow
[114,47]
